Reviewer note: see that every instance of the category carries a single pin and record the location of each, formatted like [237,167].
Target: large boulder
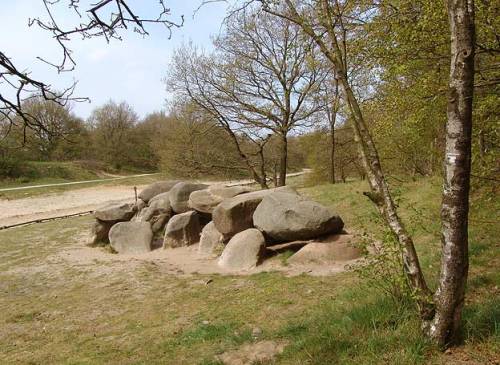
[115,212]
[179,195]
[160,204]
[131,237]
[157,213]
[333,249]
[156,188]
[164,197]
[244,251]
[210,240]
[182,230]
[206,200]
[99,232]
[287,217]
[235,214]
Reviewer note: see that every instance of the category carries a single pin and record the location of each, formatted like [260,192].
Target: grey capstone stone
[288,217]
[156,188]
[179,195]
[235,214]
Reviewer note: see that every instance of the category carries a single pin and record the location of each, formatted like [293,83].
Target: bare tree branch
[19,86]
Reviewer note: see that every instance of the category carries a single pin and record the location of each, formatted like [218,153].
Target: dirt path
[65,203]
[75,201]
[112,178]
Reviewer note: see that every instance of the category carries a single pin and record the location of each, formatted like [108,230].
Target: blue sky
[130,70]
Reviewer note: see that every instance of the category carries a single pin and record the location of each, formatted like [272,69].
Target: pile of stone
[237,225]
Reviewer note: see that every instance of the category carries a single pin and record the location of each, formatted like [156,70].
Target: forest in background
[263,101]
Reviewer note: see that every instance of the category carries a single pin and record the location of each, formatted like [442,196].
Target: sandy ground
[181,261]
[109,177]
[65,203]
[185,261]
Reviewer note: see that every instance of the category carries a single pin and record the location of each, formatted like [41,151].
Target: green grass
[284,256]
[35,172]
[57,311]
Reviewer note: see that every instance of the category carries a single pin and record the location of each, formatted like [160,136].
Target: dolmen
[236,225]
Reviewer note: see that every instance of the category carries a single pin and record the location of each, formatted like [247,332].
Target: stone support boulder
[99,232]
[334,249]
[158,222]
[159,205]
[244,251]
[182,230]
[179,195]
[210,240]
[235,214]
[164,197]
[289,217]
[131,237]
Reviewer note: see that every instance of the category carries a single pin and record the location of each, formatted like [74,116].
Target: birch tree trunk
[449,297]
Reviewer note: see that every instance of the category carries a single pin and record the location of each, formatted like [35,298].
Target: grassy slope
[129,181]
[42,173]
[54,312]
[37,172]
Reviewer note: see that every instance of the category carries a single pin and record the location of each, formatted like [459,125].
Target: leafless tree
[191,78]
[262,78]
[106,18]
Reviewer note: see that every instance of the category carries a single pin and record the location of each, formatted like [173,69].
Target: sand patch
[180,261]
[262,351]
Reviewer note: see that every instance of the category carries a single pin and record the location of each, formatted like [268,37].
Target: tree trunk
[367,149]
[332,116]
[381,196]
[261,180]
[283,159]
[263,175]
[332,154]
[449,297]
